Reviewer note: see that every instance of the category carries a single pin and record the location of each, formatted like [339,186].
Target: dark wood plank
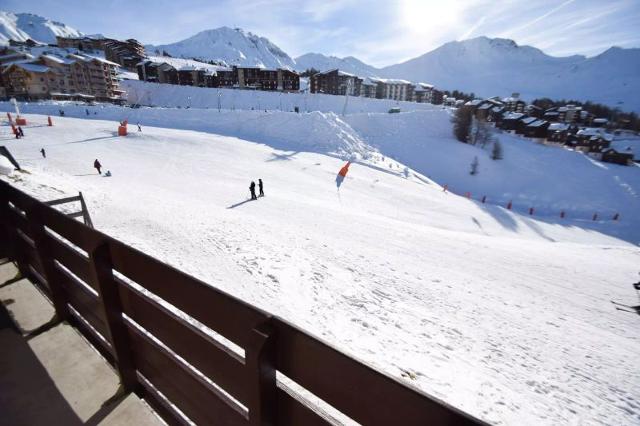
[72,260]
[62,201]
[199,350]
[159,405]
[219,311]
[189,394]
[292,412]
[355,389]
[86,303]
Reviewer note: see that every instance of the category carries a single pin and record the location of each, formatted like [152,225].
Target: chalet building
[125,53]
[335,82]
[8,56]
[552,115]
[557,133]
[534,111]
[368,88]
[514,104]
[70,77]
[81,43]
[511,121]
[536,129]
[423,93]
[495,114]
[522,124]
[610,155]
[27,43]
[599,122]
[589,140]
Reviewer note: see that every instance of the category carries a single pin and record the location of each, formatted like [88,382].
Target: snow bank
[6,168]
[171,95]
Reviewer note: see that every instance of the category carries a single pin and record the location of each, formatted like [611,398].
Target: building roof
[59,59]
[600,120]
[559,126]
[185,64]
[474,102]
[528,120]
[514,116]
[27,66]
[537,123]
[393,81]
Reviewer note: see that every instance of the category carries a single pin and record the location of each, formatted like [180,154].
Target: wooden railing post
[102,274]
[51,274]
[260,364]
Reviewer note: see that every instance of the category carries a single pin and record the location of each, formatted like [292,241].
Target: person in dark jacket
[252,189]
[43,152]
[97,166]
[260,187]
[21,132]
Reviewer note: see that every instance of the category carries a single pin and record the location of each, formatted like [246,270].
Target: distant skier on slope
[252,189]
[260,187]
[97,166]
[21,132]
[43,152]
[139,128]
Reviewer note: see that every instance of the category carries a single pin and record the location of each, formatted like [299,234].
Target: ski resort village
[211,231]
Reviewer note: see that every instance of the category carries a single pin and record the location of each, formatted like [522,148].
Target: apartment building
[81,43]
[396,89]
[66,77]
[335,82]
[125,53]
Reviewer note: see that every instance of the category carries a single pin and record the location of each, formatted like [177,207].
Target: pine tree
[474,166]
[496,152]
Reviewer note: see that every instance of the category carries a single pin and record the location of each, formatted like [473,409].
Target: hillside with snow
[24,26]
[229,46]
[321,62]
[499,67]
[500,314]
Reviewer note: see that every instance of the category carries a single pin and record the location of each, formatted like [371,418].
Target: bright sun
[424,16]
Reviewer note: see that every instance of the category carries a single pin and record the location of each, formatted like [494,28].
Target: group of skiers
[252,189]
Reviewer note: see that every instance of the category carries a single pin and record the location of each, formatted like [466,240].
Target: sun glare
[423,16]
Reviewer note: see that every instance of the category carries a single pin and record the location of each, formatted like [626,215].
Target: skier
[252,189]
[21,132]
[260,187]
[43,152]
[139,128]
[97,166]
[87,110]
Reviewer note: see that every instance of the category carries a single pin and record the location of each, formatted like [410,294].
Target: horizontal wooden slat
[293,413]
[62,201]
[200,351]
[71,259]
[219,311]
[17,220]
[158,404]
[39,280]
[70,229]
[87,304]
[355,389]
[76,214]
[180,387]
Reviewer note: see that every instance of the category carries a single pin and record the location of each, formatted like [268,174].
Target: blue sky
[377,32]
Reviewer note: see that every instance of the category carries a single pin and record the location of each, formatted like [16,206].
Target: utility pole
[346,96]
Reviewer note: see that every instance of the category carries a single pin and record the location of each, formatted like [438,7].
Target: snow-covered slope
[490,67]
[231,46]
[22,26]
[469,302]
[322,62]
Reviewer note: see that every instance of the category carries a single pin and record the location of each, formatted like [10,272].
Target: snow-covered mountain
[23,26]
[322,62]
[229,45]
[497,66]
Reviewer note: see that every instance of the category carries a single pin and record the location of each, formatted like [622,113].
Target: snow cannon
[49,121]
[21,121]
[122,130]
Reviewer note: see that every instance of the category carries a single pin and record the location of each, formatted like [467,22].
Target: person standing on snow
[252,189]
[97,166]
[139,128]
[21,132]
[260,188]
[43,152]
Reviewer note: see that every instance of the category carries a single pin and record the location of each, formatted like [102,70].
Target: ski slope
[470,302]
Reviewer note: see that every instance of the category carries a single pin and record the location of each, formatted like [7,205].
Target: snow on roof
[486,105]
[185,64]
[528,120]
[537,123]
[600,120]
[89,58]
[514,116]
[474,102]
[497,108]
[59,59]
[17,55]
[558,126]
[31,67]
[426,86]
[595,132]
[393,81]
[368,81]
